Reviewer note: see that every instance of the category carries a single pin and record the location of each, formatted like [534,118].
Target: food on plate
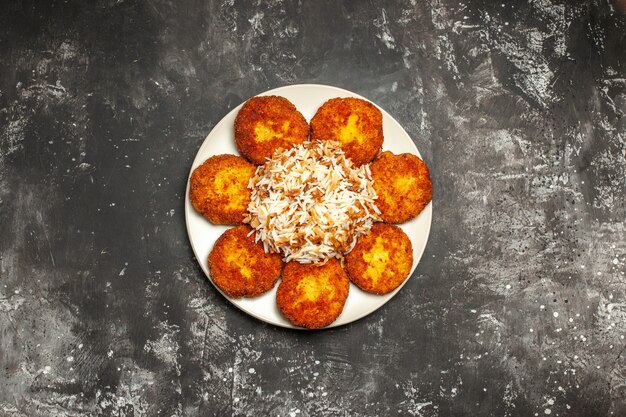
[313,205]
[240,267]
[267,123]
[218,189]
[355,123]
[381,260]
[310,203]
[403,185]
[312,296]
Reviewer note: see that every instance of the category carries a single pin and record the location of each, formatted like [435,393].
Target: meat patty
[403,185]
[312,296]
[355,123]
[218,188]
[380,261]
[240,267]
[265,124]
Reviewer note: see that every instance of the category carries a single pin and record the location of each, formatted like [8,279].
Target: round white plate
[202,234]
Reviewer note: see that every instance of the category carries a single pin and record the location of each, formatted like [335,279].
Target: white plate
[202,234]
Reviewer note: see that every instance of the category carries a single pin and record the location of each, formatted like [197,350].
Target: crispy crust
[240,267]
[267,123]
[312,296]
[218,188]
[356,124]
[403,185]
[380,261]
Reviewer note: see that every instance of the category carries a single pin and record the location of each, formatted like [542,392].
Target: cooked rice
[310,203]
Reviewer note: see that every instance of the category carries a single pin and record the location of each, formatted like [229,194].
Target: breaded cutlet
[265,124]
[355,123]
[311,295]
[240,267]
[403,185]
[218,188]
[380,261]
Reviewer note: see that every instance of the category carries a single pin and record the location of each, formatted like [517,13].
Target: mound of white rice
[310,203]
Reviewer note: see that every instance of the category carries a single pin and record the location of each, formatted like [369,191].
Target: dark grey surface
[518,307]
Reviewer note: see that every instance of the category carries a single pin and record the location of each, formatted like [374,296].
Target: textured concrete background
[518,307]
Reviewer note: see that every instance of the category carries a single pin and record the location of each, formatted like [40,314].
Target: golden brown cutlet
[355,123]
[312,296]
[240,267]
[380,261]
[218,188]
[265,124]
[403,185]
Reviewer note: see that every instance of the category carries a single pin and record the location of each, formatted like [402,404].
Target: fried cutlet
[218,188]
[355,123]
[267,123]
[240,267]
[380,261]
[403,185]
[312,296]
